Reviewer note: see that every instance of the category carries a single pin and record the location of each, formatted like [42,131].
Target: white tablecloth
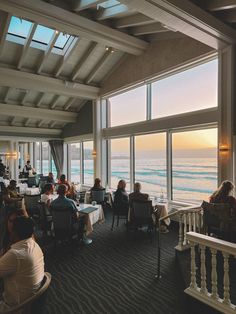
[32,191]
[93,217]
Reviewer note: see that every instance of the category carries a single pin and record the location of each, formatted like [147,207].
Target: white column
[26,152]
[21,156]
[226,103]
[34,160]
[65,146]
[99,144]
[11,161]
[16,161]
[69,162]
[31,153]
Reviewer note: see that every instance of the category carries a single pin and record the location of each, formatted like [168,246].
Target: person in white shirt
[46,197]
[22,266]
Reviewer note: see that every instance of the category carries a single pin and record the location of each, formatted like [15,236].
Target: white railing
[201,292]
[190,219]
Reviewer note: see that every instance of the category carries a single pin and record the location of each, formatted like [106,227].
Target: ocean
[193,179]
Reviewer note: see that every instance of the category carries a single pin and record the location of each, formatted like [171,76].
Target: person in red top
[63,180]
[223,195]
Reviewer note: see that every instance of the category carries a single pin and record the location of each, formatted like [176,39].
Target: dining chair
[118,213]
[34,304]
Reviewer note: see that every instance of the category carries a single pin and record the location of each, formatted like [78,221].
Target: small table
[93,217]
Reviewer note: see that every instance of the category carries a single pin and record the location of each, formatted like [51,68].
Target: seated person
[63,180]
[11,197]
[121,198]
[50,178]
[97,185]
[137,195]
[2,177]
[46,197]
[8,234]
[64,203]
[222,195]
[2,167]
[22,266]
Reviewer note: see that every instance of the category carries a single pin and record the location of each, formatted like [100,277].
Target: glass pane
[37,157]
[120,162]
[194,164]
[45,157]
[61,41]
[128,107]
[75,162]
[150,163]
[88,163]
[43,34]
[54,170]
[19,27]
[191,90]
[109,4]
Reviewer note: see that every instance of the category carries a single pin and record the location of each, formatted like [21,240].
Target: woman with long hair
[223,194]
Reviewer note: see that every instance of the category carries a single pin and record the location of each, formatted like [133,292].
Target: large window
[150,163]
[75,162]
[187,91]
[194,164]
[88,163]
[128,107]
[37,157]
[120,161]
[45,158]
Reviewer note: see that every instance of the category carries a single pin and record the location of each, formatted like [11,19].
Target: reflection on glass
[75,162]
[187,91]
[194,165]
[120,162]
[150,163]
[88,163]
[128,107]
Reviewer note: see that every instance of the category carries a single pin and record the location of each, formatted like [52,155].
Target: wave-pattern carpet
[115,274]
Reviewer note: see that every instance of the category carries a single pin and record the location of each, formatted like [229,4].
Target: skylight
[19,29]
[62,41]
[43,34]
[109,4]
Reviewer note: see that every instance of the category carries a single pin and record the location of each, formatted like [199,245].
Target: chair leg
[113,220]
[118,220]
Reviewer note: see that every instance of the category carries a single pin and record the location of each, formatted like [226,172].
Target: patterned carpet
[115,274]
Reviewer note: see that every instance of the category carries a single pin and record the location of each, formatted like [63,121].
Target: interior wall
[84,123]
[161,56]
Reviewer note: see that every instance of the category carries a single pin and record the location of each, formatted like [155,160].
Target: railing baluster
[180,231]
[185,229]
[214,294]
[194,221]
[226,299]
[193,284]
[203,270]
[190,221]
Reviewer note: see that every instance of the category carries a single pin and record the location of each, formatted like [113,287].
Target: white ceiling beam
[39,100]
[55,101]
[48,50]
[165,36]
[133,20]
[53,123]
[64,21]
[27,122]
[187,18]
[218,5]
[7,95]
[12,121]
[148,29]
[81,105]
[83,59]
[5,19]
[40,124]
[23,100]
[26,45]
[97,67]
[69,103]
[29,130]
[31,112]
[66,56]
[44,84]
[79,5]
[108,13]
